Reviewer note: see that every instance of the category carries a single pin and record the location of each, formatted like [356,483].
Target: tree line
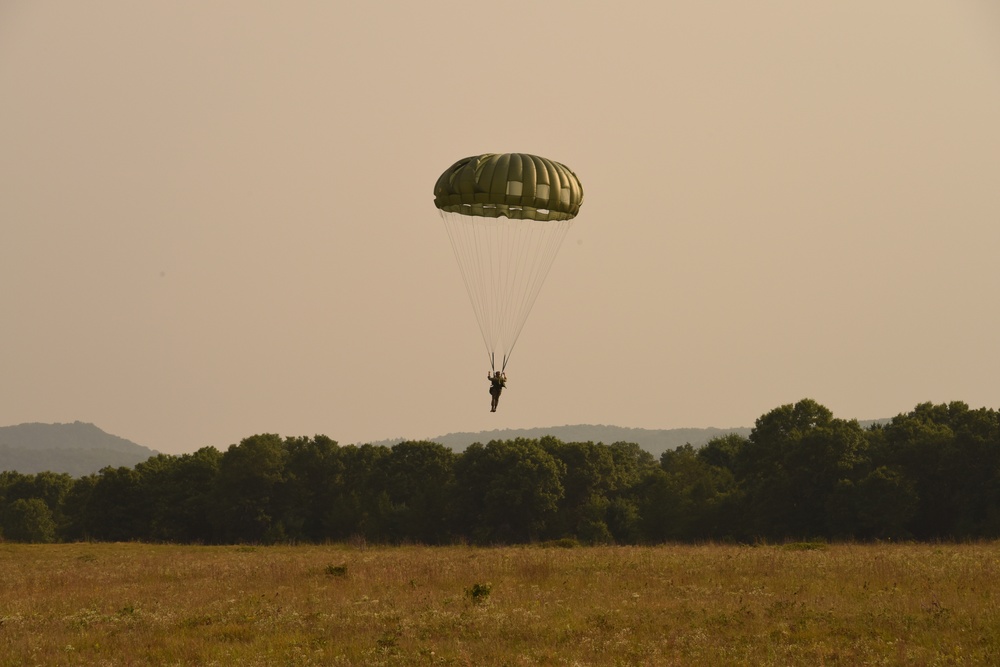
[801,474]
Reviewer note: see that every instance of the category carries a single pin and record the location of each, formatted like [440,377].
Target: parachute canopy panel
[511,185]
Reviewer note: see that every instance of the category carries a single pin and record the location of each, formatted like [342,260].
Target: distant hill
[78,449]
[654,441]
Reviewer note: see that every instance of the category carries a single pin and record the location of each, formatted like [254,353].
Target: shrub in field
[479,593]
[336,570]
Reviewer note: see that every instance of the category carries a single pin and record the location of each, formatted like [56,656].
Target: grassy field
[138,604]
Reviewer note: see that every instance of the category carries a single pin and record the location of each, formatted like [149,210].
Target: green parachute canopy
[506,216]
[512,185]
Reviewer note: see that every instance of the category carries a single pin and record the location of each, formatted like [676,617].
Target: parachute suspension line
[539,263]
[465,251]
[503,264]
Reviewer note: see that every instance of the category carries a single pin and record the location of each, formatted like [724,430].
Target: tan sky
[216,218]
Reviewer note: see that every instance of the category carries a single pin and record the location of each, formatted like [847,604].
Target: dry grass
[136,604]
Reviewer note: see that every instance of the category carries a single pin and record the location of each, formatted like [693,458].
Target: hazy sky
[216,218]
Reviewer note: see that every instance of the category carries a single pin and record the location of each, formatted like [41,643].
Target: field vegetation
[806,603]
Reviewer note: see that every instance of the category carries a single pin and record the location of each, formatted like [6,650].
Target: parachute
[506,216]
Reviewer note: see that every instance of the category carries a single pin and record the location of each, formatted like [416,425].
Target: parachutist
[498,381]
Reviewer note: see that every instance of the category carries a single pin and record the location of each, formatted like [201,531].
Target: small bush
[479,593]
[336,570]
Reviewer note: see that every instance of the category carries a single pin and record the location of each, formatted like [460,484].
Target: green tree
[886,502]
[792,465]
[361,506]
[723,451]
[152,505]
[632,465]
[29,520]
[191,502]
[686,499]
[114,508]
[508,490]
[588,482]
[76,510]
[50,487]
[249,492]
[420,481]
[623,519]
[177,495]
[951,455]
[657,506]
[12,486]
[315,472]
